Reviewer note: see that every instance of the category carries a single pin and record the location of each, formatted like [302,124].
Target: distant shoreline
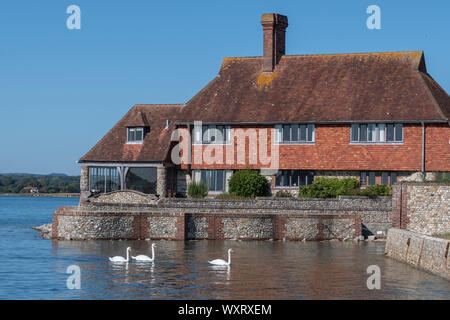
[57,195]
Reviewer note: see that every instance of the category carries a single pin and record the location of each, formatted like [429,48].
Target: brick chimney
[274,26]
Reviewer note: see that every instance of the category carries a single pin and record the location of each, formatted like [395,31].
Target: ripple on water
[32,268]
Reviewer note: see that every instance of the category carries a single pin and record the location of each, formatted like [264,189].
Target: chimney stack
[274,26]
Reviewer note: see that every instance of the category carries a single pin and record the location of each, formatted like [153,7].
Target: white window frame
[278,139]
[380,134]
[199,138]
[135,129]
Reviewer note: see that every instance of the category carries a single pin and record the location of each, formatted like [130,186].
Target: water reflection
[260,270]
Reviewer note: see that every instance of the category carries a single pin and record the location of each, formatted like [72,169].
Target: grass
[442,235]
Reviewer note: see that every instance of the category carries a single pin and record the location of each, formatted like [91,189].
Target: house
[379,117]
[30,190]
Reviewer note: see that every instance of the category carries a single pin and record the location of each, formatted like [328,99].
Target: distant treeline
[21,183]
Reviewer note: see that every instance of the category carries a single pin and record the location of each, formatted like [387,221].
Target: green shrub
[283,194]
[328,188]
[376,191]
[442,177]
[249,183]
[197,189]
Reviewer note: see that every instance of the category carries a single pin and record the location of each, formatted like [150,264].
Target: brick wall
[332,151]
[437,149]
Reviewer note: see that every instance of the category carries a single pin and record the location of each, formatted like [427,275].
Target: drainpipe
[423,148]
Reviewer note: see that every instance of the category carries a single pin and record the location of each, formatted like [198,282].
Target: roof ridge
[355,53]
[335,54]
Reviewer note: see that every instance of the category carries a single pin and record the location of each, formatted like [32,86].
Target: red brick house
[379,117]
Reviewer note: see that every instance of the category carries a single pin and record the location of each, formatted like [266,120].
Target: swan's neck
[128,255]
[153,253]
[229,257]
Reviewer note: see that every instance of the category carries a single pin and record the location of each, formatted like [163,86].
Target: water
[32,268]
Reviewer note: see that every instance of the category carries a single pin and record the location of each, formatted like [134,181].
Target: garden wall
[421,207]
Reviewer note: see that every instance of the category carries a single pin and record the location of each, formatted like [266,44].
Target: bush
[197,189]
[376,191]
[442,177]
[328,188]
[283,194]
[249,183]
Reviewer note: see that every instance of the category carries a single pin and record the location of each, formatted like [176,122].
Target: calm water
[32,268]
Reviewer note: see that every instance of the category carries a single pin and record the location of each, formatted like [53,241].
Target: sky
[61,90]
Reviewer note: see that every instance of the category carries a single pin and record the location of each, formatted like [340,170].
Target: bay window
[103,179]
[141,179]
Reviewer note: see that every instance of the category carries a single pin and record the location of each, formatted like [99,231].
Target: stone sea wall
[69,223]
[421,251]
[422,207]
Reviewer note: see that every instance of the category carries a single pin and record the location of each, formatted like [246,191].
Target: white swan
[220,262]
[144,258]
[121,259]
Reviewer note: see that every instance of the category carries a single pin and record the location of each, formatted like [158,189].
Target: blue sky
[61,90]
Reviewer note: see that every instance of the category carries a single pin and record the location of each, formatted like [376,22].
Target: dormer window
[135,135]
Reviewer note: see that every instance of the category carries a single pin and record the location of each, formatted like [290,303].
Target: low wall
[421,207]
[268,218]
[420,251]
[70,223]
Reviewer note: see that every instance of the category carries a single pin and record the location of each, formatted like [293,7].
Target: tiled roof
[388,86]
[113,146]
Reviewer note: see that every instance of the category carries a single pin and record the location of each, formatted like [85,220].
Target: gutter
[180,123]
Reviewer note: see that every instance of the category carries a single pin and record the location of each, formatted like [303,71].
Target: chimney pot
[274,31]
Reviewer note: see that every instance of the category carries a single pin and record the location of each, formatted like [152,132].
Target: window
[387,178]
[376,133]
[363,178]
[371,178]
[135,135]
[212,134]
[393,178]
[216,180]
[141,179]
[295,133]
[293,178]
[103,179]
